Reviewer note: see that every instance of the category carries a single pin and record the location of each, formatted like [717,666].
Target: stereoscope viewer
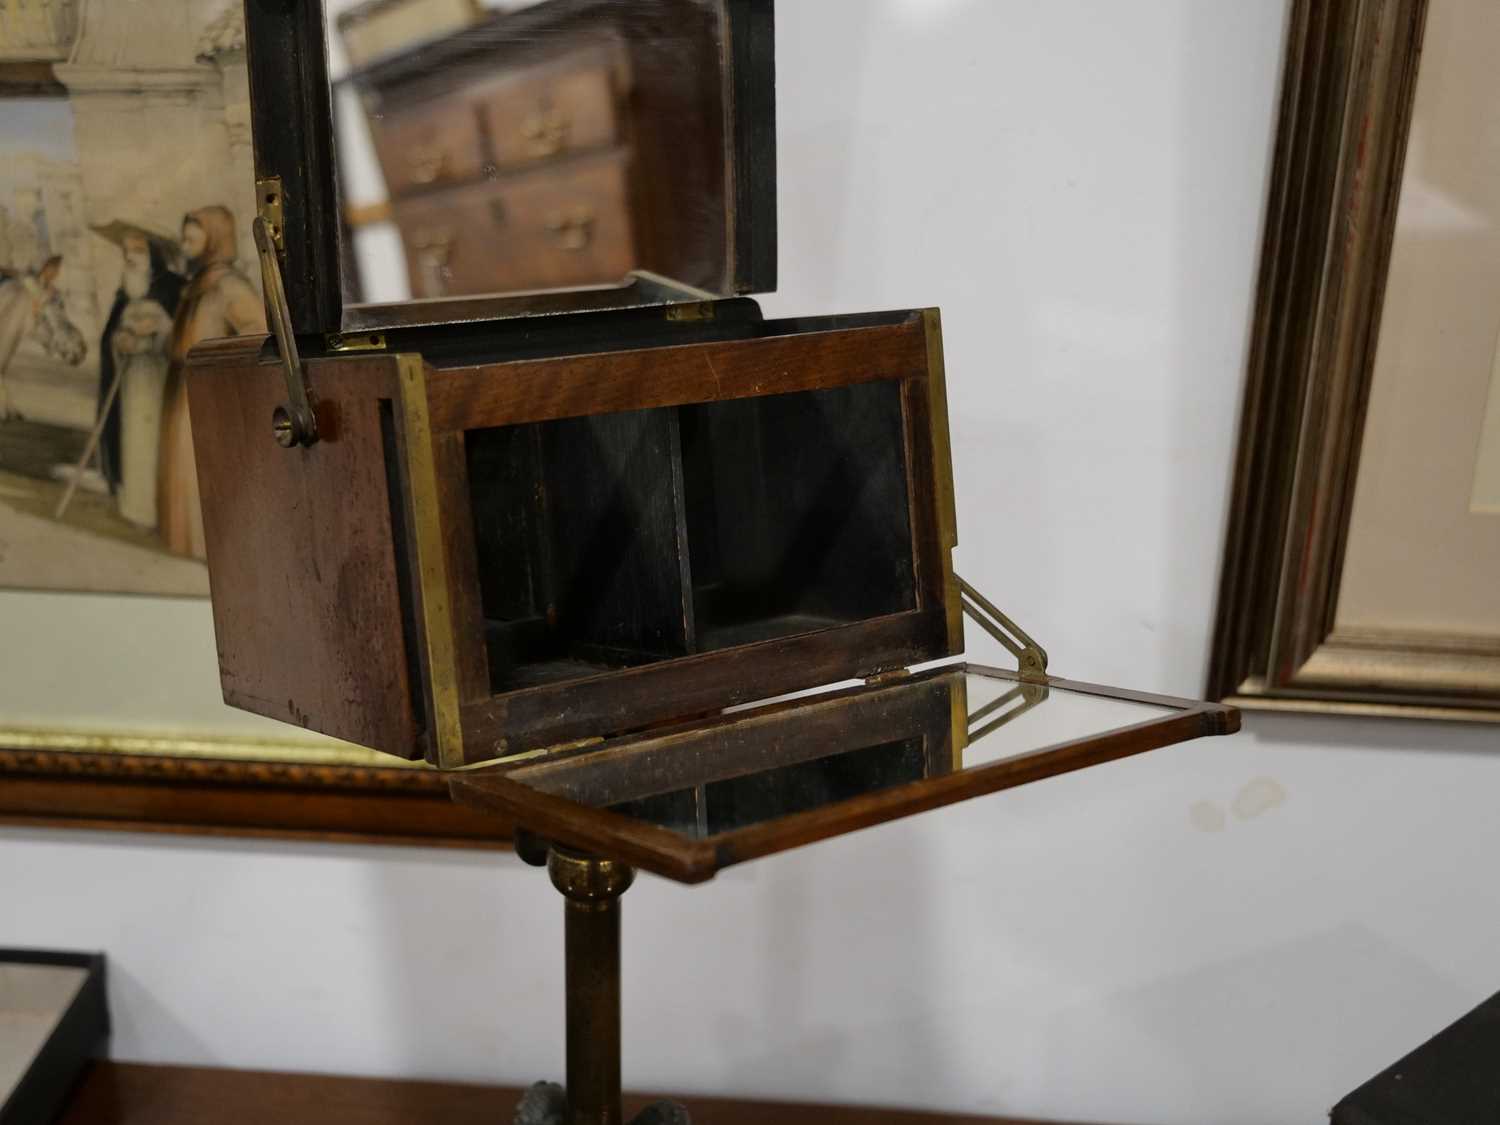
[664,583]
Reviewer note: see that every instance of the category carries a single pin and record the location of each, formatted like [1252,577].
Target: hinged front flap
[686,802]
[639,535]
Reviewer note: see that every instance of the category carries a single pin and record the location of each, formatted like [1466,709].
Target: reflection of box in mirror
[516,148]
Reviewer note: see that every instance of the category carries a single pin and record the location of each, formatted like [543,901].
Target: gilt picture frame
[1320,376]
[122,119]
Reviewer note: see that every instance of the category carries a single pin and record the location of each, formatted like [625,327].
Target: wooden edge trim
[647,846]
[539,390]
[192,796]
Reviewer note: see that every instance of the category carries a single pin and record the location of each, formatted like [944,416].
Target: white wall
[1079,185]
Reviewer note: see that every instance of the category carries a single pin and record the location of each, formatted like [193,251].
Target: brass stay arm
[295,423]
[1031,657]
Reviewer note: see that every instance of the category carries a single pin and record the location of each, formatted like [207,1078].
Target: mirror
[690,801]
[783,761]
[582,150]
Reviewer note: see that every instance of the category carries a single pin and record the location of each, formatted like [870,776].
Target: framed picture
[1362,567]
[126,197]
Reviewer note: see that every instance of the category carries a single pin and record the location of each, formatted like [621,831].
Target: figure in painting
[125,442]
[30,305]
[219,301]
[133,343]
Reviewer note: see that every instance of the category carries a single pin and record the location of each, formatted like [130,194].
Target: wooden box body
[523,536]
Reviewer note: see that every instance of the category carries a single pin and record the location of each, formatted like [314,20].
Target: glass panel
[491,147]
[705,783]
[622,539]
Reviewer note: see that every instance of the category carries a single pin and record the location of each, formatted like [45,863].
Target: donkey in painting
[31,306]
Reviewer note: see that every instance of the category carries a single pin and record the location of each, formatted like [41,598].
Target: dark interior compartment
[623,539]
[796,512]
[739,802]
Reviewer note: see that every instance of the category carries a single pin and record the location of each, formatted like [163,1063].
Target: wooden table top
[133,1094]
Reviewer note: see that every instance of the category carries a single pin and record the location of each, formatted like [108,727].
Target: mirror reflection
[708,782]
[502,147]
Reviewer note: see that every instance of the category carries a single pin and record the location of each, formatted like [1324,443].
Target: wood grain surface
[131,1094]
[532,390]
[306,594]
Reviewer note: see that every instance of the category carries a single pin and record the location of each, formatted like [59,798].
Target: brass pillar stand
[592,889]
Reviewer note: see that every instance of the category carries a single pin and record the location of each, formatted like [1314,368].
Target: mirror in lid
[563,154]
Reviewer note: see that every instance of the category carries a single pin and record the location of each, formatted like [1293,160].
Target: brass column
[592,888]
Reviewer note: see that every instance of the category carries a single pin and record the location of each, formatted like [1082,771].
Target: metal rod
[295,423]
[592,889]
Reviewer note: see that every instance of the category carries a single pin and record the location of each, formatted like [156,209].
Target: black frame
[79,1037]
[291,110]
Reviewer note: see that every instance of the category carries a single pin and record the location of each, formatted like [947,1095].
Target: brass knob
[434,250]
[284,429]
[426,164]
[546,132]
[572,228]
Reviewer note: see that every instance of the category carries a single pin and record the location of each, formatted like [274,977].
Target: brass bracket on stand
[295,423]
[1030,656]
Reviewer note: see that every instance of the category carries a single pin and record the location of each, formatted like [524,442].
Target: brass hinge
[359,342]
[701,310]
[268,205]
[504,759]
[294,423]
[1030,656]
